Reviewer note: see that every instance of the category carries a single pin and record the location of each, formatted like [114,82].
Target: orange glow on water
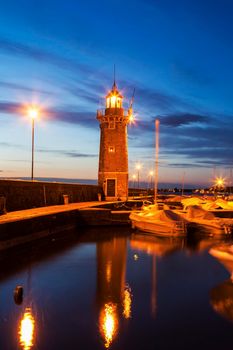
[127,302]
[109,271]
[26,330]
[108,323]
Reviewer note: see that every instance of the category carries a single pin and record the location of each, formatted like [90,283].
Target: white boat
[163,222]
[206,222]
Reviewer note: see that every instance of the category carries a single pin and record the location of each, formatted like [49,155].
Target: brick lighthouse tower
[113,155]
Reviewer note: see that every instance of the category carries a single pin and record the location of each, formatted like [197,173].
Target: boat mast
[156,158]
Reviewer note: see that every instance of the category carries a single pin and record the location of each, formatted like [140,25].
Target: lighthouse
[113,153]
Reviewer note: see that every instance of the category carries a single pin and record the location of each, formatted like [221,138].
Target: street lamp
[219,183]
[33,114]
[138,167]
[134,178]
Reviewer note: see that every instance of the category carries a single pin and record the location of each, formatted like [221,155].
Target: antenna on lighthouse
[132,99]
[114,76]
[130,110]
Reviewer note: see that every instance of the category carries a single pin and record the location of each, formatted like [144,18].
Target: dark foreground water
[118,291]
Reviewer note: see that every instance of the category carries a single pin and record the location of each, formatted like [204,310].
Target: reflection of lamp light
[26,329]
[127,301]
[108,323]
[109,271]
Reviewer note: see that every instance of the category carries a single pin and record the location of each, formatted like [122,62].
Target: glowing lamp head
[138,166]
[33,112]
[219,182]
[131,118]
[151,173]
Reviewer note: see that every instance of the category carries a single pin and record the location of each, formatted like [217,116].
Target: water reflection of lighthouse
[113,295]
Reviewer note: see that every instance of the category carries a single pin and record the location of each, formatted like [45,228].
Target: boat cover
[197,212]
[166,215]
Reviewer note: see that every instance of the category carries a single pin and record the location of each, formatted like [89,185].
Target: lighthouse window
[113,101]
[111,125]
[111,149]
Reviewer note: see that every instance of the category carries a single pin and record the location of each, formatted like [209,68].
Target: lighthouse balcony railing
[100,112]
[110,112]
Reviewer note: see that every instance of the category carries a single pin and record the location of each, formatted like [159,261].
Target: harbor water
[111,288]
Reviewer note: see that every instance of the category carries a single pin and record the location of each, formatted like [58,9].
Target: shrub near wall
[21,194]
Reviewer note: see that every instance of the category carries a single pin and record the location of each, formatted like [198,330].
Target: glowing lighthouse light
[114,98]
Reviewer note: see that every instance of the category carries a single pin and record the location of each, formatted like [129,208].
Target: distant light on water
[135,257]
[26,330]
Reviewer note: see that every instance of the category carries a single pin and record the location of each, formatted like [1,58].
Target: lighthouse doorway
[111,188]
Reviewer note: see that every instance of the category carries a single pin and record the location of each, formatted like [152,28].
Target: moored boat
[159,221]
[206,222]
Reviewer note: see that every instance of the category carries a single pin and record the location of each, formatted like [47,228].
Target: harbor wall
[22,194]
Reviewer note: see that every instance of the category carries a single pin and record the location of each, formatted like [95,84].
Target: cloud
[83,93]
[86,119]
[20,87]
[156,99]
[182,165]
[66,153]
[14,48]
[10,107]
[191,74]
[197,140]
[180,119]
[8,144]
[72,154]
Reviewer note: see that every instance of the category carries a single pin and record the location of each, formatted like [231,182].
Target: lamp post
[151,176]
[134,178]
[138,167]
[33,114]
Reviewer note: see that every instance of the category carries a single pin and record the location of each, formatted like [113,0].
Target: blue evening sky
[178,55]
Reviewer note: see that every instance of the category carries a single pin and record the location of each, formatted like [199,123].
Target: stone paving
[43,211]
